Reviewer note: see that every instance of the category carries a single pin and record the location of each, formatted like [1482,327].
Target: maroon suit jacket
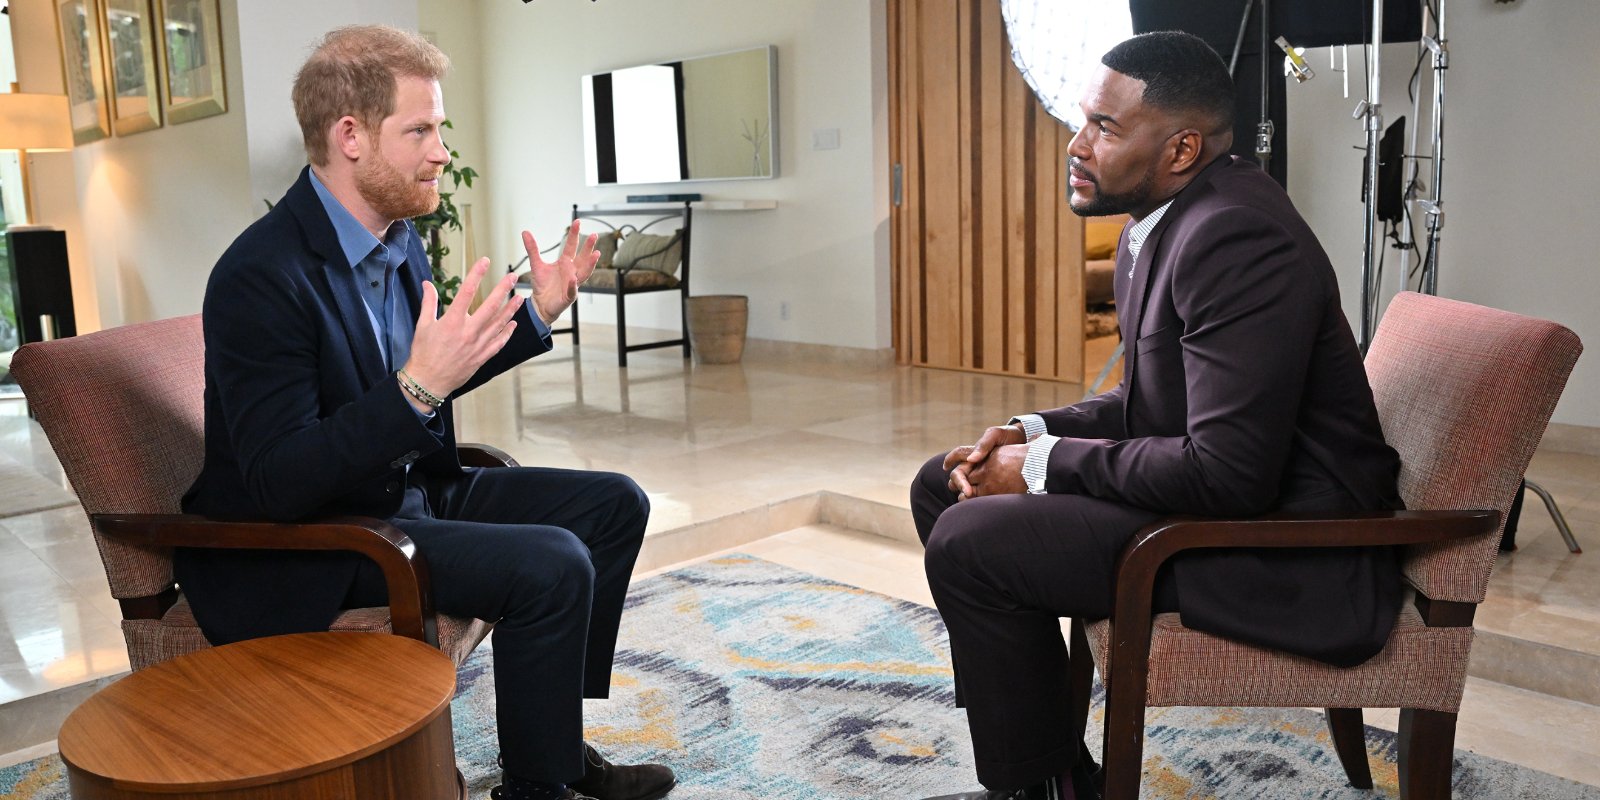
[1243,393]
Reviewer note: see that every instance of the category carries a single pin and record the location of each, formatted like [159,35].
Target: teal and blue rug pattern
[755,681]
[758,682]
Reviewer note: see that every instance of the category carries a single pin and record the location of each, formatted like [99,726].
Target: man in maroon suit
[1243,393]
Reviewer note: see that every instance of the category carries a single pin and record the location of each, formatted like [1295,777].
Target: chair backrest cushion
[124,409]
[1464,393]
[605,243]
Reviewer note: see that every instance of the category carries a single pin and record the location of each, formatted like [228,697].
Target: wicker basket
[716,327]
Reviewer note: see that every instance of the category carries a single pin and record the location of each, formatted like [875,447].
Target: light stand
[1264,128]
[1371,109]
[1434,207]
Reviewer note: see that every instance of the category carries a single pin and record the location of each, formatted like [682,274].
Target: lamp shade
[34,122]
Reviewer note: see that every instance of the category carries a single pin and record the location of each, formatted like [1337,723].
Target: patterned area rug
[754,681]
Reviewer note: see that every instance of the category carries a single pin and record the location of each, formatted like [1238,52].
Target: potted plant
[445,217]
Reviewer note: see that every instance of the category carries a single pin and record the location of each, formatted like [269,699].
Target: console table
[314,715]
[694,205]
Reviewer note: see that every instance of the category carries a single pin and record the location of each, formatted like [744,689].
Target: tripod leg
[1116,355]
[1555,514]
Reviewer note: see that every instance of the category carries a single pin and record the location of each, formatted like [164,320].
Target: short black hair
[1180,73]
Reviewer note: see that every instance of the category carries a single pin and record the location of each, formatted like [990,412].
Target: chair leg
[575,320]
[1350,742]
[1555,515]
[622,329]
[1427,754]
[1123,759]
[683,320]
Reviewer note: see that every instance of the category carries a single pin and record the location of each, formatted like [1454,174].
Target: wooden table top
[259,711]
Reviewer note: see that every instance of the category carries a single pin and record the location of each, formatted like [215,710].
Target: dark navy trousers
[546,555]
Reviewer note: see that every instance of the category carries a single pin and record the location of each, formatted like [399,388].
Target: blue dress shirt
[375,264]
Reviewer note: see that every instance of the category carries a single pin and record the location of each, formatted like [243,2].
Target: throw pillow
[650,251]
[606,245]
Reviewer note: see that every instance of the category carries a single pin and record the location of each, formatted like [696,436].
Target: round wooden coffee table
[314,715]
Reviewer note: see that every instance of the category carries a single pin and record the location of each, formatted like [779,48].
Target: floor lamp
[33,123]
[30,123]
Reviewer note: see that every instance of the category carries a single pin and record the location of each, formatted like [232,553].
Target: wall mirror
[709,118]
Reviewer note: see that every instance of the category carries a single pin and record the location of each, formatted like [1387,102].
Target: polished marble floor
[802,455]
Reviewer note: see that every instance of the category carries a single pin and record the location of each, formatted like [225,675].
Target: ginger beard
[393,194]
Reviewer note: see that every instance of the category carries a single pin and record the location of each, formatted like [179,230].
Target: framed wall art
[79,27]
[191,46]
[132,61]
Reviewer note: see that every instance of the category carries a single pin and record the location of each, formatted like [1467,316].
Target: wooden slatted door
[988,258]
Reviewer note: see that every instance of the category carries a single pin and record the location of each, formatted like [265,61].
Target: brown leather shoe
[502,792]
[604,780]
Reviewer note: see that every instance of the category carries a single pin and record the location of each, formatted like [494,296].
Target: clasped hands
[447,349]
[991,466]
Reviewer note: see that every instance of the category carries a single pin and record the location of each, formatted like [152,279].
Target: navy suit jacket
[1243,392]
[302,419]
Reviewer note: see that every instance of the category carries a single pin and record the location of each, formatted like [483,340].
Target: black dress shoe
[603,780]
[1042,791]
[1088,784]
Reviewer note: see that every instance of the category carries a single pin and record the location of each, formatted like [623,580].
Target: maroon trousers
[1003,571]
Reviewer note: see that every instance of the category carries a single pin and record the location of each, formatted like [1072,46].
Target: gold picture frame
[79,26]
[192,81]
[132,66]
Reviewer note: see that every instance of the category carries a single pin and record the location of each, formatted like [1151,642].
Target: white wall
[1520,177]
[824,251]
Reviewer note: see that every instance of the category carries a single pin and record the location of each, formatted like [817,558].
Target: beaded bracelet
[429,397]
[417,397]
[423,396]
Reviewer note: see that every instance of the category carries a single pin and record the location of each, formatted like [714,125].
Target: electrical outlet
[783,310]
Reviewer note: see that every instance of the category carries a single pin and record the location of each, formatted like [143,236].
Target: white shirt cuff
[1035,467]
[1032,425]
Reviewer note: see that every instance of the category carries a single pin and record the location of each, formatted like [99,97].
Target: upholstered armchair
[124,410]
[1464,394]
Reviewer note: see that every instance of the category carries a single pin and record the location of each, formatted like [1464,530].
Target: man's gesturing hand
[447,350]
[555,284]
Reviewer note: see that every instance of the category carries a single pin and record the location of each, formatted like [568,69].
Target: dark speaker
[41,286]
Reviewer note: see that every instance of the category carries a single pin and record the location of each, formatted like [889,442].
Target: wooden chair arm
[1158,542]
[473,454]
[404,570]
